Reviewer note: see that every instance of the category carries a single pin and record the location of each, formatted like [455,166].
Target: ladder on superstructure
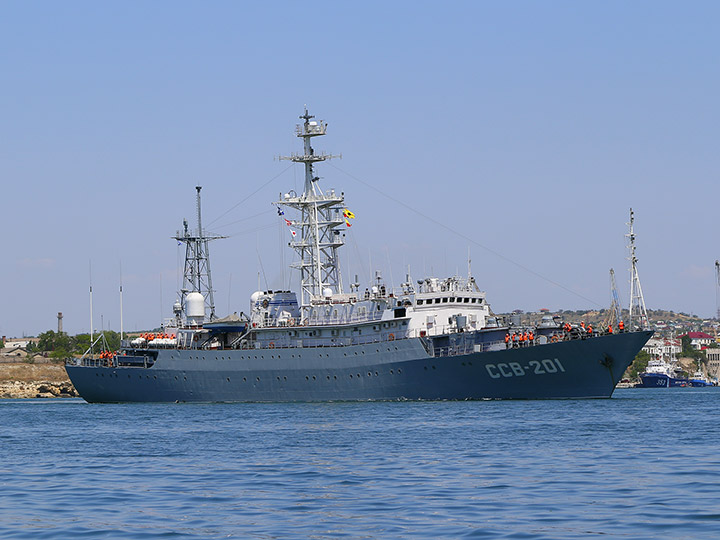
[637,301]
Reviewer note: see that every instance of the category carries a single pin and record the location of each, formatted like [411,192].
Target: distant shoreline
[23,380]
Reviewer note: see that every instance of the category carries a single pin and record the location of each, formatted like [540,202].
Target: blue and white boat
[699,380]
[661,374]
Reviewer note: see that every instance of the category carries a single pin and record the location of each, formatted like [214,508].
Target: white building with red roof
[699,339]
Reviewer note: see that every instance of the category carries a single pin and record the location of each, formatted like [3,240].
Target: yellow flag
[348,214]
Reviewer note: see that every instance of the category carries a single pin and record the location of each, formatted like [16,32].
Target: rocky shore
[24,380]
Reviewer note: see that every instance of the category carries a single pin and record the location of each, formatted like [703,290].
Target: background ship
[430,339]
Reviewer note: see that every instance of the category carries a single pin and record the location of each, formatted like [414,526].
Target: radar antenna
[196,274]
[320,223]
[637,301]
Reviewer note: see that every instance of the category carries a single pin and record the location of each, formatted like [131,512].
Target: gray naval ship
[431,339]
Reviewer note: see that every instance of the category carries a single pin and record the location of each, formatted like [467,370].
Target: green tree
[689,351]
[59,345]
[639,365]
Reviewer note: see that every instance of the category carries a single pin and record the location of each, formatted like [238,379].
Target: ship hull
[398,370]
[658,380]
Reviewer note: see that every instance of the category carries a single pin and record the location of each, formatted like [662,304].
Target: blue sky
[529,127]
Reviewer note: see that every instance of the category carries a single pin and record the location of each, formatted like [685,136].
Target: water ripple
[637,466]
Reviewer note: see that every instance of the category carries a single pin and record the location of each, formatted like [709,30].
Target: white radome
[195,305]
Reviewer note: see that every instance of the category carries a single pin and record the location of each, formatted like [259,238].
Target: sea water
[644,464]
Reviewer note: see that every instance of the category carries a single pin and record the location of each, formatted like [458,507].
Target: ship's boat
[431,339]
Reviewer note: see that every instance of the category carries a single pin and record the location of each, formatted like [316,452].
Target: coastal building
[17,343]
[659,348]
[699,339]
[713,363]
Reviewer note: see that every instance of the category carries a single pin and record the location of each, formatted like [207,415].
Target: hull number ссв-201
[534,367]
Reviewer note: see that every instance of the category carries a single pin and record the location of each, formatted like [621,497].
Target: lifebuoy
[291,322]
[554,339]
[271,345]
[391,337]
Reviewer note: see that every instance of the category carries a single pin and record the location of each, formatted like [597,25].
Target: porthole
[369,374]
[399,370]
[307,378]
[314,379]
[228,379]
[351,375]
[391,372]
[328,377]
[244,379]
[284,378]
[376,373]
[257,379]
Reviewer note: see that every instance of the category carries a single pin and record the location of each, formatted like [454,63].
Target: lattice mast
[637,301]
[321,219]
[614,313]
[196,274]
[717,288]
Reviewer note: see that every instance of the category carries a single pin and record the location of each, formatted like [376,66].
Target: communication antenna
[121,305]
[196,275]
[717,288]
[614,316]
[637,301]
[320,223]
[91,313]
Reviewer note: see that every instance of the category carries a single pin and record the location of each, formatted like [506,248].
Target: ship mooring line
[465,237]
[253,193]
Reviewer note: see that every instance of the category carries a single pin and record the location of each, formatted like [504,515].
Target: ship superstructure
[434,338]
